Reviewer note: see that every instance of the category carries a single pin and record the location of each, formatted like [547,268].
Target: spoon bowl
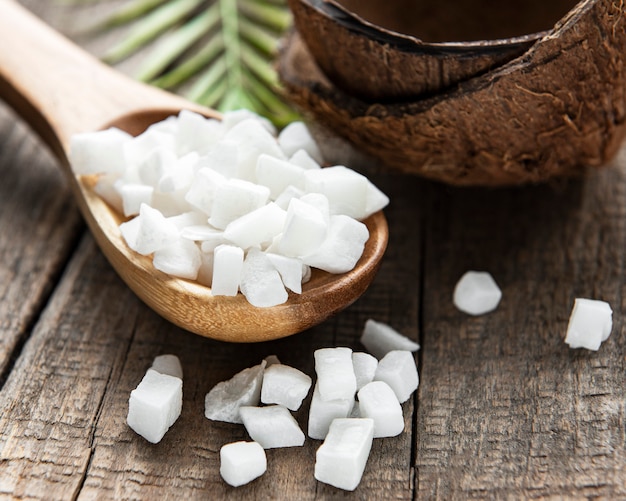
[61,90]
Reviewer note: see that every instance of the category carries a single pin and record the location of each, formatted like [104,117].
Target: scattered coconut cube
[168,364]
[323,412]
[335,373]
[272,426]
[242,462]
[285,385]
[340,461]
[296,136]
[364,366]
[590,324]
[397,368]
[224,400]
[154,406]
[260,281]
[380,338]
[379,402]
[227,269]
[477,293]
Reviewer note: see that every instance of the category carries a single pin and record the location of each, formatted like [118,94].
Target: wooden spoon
[61,90]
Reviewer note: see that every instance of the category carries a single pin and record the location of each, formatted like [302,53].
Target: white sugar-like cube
[242,462]
[590,324]
[105,189]
[153,231]
[205,272]
[323,412]
[154,166]
[304,160]
[305,229]
[347,190]
[222,158]
[98,152]
[227,269]
[285,385]
[476,293]
[272,426]
[284,199]
[222,403]
[196,133]
[375,200]
[168,364]
[335,373]
[234,198]
[181,258]
[290,270]
[232,118]
[130,231]
[364,368]
[179,176]
[189,219]
[397,368]
[154,406]
[138,148]
[340,461]
[252,139]
[319,201]
[202,190]
[277,174]
[256,227]
[133,196]
[296,136]
[211,241]
[260,281]
[170,204]
[380,338]
[342,248]
[379,402]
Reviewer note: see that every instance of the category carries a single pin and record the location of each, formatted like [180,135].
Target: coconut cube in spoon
[296,136]
[242,462]
[284,385]
[590,324]
[380,338]
[227,269]
[181,259]
[272,426]
[99,152]
[260,281]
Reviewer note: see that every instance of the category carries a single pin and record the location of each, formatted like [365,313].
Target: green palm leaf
[218,53]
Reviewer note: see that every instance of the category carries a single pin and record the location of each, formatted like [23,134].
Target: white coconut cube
[154,166]
[304,231]
[151,231]
[379,402]
[335,373]
[296,136]
[234,198]
[347,190]
[234,117]
[304,160]
[242,462]
[277,174]
[272,426]
[364,366]
[195,132]
[476,293]
[133,196]
[168,364]
[590,324]
[106,189]
[179,259]
[224,400]
[190,219]
[202,190]
[252,139]
[380,338]
[154,406]
[178,176]
[137,149]
[222,158]
[397,368]
[340,461]
[170,204]
[227,269]
[323,412]
[205,272]
[256,227]
[375,201]
[285,385]
[98,152]
[284,199]
[260,281]
[342,248]
[290,270]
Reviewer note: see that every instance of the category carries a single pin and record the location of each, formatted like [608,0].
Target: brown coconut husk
[557,108]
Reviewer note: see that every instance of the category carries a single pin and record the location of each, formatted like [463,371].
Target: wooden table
[505,409]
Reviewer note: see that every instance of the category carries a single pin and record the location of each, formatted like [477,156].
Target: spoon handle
[58,88]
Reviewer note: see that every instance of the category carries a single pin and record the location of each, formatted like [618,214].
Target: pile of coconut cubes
[231,203]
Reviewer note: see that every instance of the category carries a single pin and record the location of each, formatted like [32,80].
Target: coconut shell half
[556,109]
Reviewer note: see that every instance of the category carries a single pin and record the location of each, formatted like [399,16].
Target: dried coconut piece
[380,338]
[153,231]
[345,189]
[590,324]
[222,403]
[304,160]
[335,373]
[290,269]
[179,259]
[154,166]
[364,366]
[323,412]
[340,461]
[202,191]
[227,268]
[296,136]
[138,148]
[397,368]
[196,133]
[133,196]
[168,364]
[272,426]
[235,198]
[154,406]
[232,118]
[257,227]
[277,174]
[284,199]
[285,385]
[379,402]
[242,462]
[100,152]
[476,293]
[304,231]
[260,281]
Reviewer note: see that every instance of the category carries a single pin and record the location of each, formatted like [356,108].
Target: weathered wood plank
[39,225]
[506,409]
